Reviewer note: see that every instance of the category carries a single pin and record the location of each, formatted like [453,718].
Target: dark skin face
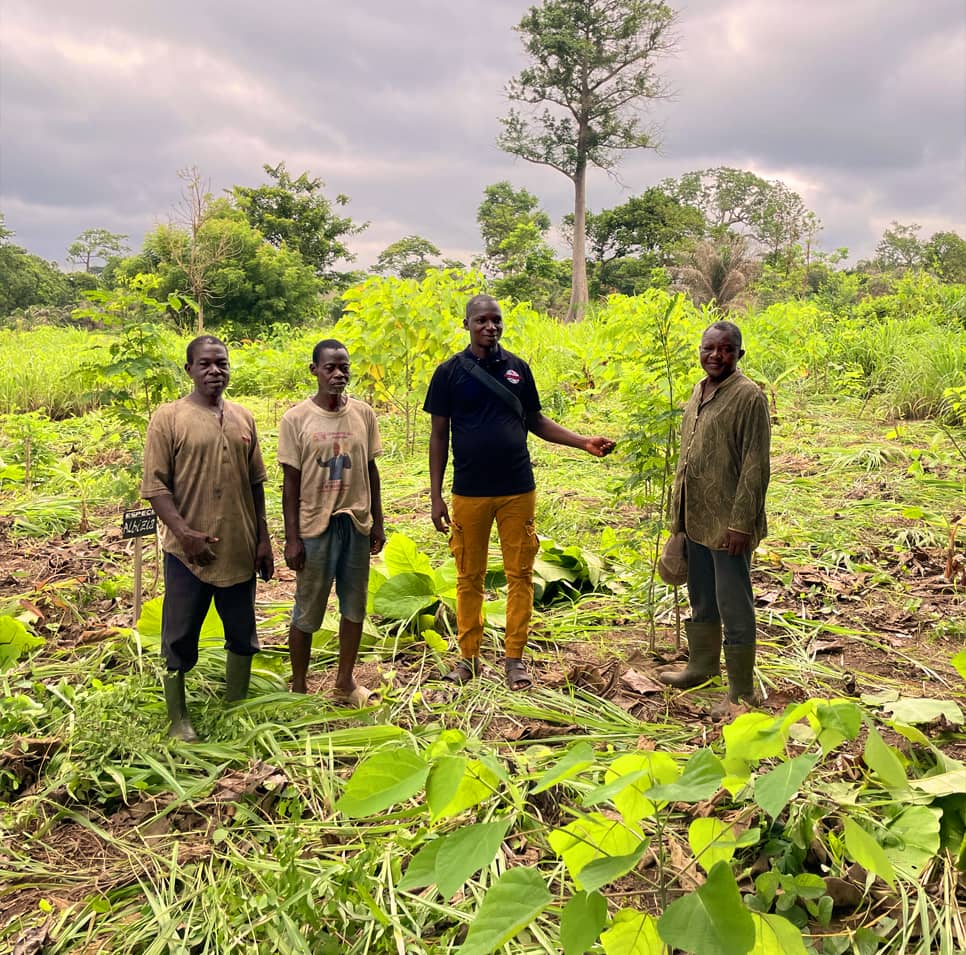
[210,372]
[485,325]
[719,355]
[332,371]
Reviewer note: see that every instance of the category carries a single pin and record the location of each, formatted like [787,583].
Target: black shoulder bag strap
[501,391]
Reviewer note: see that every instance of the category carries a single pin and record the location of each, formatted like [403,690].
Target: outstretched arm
[540,425]
[438,455]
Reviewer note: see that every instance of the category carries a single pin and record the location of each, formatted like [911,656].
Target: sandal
[517,678]
[359,698]
[464,671]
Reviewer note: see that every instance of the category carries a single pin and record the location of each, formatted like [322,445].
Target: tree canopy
[592,67]
[297,213]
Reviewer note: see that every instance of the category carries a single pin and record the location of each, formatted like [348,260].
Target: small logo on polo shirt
[512,376]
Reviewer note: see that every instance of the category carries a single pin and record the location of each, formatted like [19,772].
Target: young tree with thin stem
[592,69]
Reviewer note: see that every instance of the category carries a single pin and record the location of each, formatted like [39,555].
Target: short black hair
[201,340]
[326,343]
[730,328]
[476,299]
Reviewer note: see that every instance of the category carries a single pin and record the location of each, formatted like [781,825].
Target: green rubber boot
[740,664]
[181,727]
[238,675]
[704,656]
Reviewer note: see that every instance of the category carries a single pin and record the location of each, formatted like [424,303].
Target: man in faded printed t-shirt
[719,502]
[332,504]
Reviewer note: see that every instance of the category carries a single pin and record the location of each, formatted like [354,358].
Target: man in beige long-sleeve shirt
[719,502]
[204,477]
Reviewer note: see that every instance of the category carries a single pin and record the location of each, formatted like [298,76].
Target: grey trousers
[719,588]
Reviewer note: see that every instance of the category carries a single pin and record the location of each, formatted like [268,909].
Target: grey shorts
[341,554]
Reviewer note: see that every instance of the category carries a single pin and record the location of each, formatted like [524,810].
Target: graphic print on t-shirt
[332,459]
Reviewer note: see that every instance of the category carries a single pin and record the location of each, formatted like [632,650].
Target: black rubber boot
[740,664]
[181,727]
[704,656]
[238,675]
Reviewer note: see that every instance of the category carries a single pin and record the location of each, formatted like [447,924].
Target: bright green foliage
[700,779]
[629,777]
[590,837]
[397,331]
[774,790]
[578,758]
[775,935]
[384,779]
[27,279]
[711,920]
[139,373]
[866,850]
[451,859]
[884,762]
[295,213]
[581,921]
[632,933]
[511,904]
[712,841]
[912,840]
[629,244]
[600,872]
[15,641]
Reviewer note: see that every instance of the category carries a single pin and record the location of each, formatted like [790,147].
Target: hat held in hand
[672,567]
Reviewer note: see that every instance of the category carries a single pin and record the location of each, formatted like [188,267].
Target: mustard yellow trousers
[471,524]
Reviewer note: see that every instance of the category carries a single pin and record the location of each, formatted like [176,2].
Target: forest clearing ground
[851,595]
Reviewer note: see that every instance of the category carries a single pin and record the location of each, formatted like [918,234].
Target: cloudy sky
[859,105]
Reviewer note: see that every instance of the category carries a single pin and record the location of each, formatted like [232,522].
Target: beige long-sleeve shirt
[208,465]
[724,466]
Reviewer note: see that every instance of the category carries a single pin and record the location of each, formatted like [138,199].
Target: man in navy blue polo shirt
[485,398]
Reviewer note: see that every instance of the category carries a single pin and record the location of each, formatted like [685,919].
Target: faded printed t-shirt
[724,466]
[332,450]
[208,464]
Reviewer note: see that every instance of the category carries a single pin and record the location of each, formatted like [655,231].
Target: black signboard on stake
[141,522]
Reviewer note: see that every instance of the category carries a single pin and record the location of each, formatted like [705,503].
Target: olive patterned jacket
[723,468]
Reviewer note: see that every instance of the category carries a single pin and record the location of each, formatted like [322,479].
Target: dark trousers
[719,588]
[186,603]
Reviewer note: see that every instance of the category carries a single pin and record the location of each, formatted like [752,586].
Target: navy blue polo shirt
[490,456]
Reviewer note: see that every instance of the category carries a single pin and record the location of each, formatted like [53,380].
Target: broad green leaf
[700,779]
[915,710]
[776,788]
[494,613]
[600,872]
[404,596]
[451,859]
[381,781]
[711,841]
[959,662]
[880,697]
[445,577]
[478,783]
[15,641]
[402,556]
[591,837]
[581,922]
[510,904]
[574,761]
[444,780]
[945,784]
[864,849]
[376,579]
[839,721]
[644,770]
[434,641]
[883,760]
[448,742]
[913,839]
[149,625]
[753,737]
[632,933]
[712,920]
[775,935]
